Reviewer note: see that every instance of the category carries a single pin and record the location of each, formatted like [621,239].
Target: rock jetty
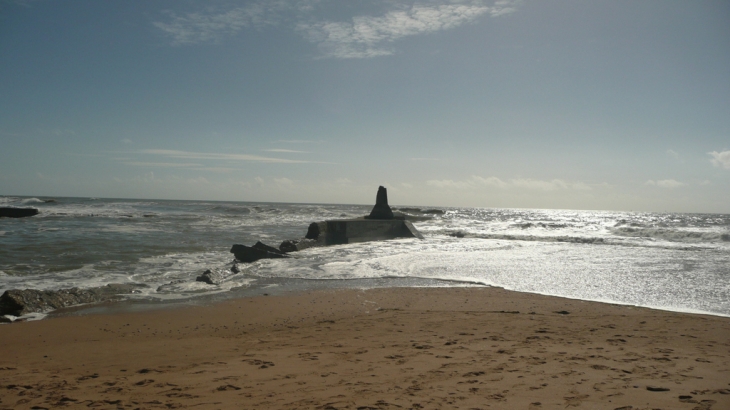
[380,224]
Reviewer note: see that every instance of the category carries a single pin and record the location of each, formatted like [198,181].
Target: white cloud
[214,156]
[199,180]
[531,184]
[213,25]
[200,27]
[540,185]
[284,182]
[720,159]
[126,141]
[361,36]
[489,181]
[666,183]
[672,153]
[220,170]
[449,183]
[372,36]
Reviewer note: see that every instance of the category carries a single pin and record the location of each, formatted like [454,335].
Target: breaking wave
[672,235]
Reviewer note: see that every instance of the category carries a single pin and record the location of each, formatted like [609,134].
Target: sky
[569,104]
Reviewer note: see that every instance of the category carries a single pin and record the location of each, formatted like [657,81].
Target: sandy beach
[409,348]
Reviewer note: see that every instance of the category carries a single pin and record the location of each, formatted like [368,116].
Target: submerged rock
[11,212]
[250,254]
[211,277]
[18,302]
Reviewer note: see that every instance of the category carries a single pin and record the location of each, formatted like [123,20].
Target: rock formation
[252,253]
[381,210]
[211,277]
[19,302]
[294,245]
[381,224]
[263,247]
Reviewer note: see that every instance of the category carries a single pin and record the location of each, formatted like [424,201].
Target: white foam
[674,234]
[661,277]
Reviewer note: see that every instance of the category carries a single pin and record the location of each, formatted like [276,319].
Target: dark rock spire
[381,210]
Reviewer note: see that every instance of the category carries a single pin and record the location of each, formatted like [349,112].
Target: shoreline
[289,286]
[459,347]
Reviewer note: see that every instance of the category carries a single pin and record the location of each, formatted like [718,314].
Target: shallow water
[668,261]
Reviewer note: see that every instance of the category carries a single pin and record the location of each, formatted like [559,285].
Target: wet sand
[398,348]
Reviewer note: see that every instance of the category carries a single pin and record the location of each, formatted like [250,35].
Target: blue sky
[617,105]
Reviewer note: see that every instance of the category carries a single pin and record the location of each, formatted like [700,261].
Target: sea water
[668,261]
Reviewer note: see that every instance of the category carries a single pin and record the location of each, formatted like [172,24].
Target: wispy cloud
[161,164]
[520,183]
[301,141]
[215,156]
[283,181]
[360,36]
[286,151]
[720,159]
[212,26]
[372,36]
[666,183]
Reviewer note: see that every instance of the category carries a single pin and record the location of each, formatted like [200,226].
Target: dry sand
[469,348]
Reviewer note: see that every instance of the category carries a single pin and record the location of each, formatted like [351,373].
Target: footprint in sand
[90,376]
[262,364]
[228,387]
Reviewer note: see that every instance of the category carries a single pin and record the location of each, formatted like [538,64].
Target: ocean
[670,261]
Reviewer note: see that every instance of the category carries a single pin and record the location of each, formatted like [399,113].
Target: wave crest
[672,235]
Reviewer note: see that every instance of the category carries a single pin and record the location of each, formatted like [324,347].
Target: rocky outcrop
[381,210]
[19,302]
[381,224]
[11,212]
[295,245]
[249,254]
[263,247]
[314,230]
[211,277]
